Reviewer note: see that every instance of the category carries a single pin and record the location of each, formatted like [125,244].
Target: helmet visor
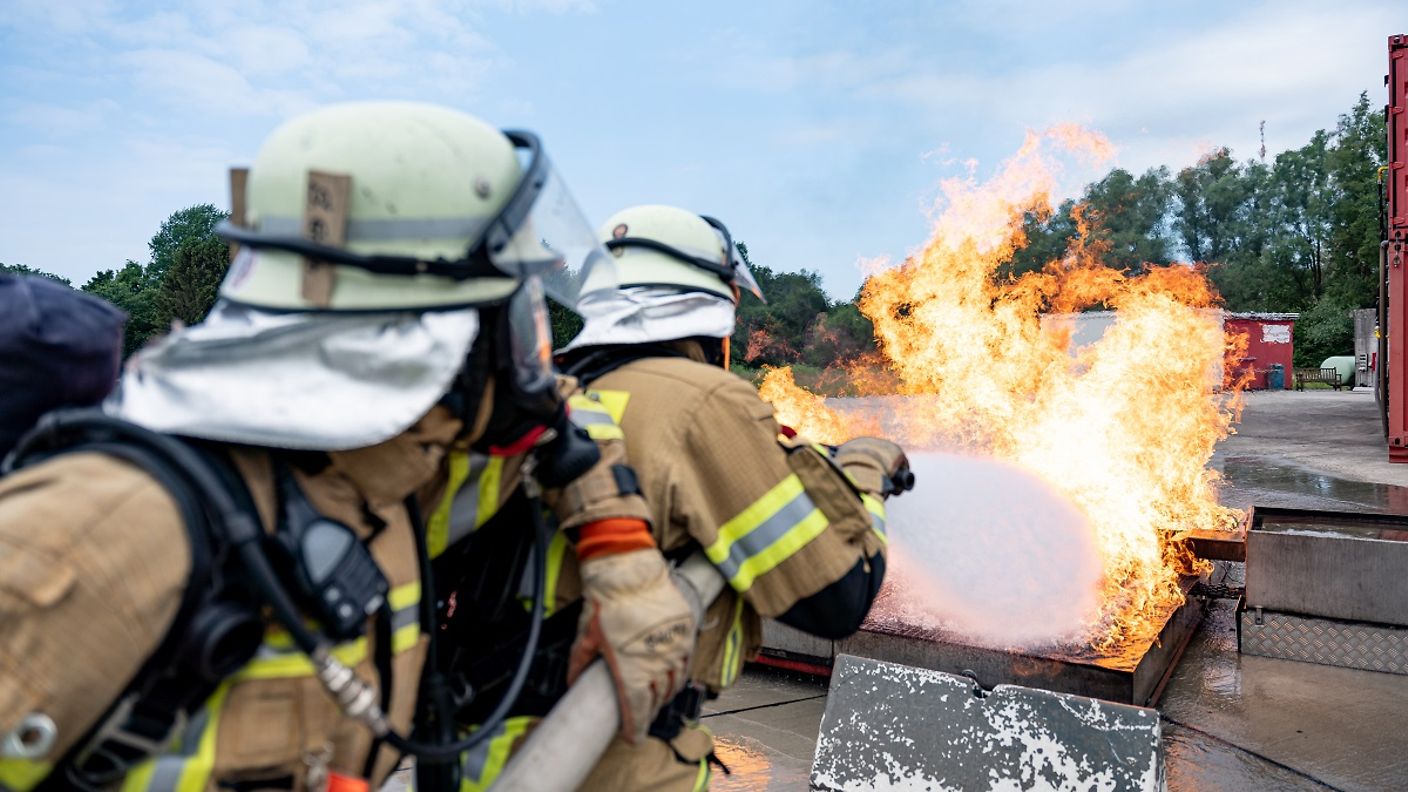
[554,242]
[744,278]
[530,337]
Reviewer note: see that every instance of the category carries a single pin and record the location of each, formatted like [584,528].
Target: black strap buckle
[686,707]
[126,738]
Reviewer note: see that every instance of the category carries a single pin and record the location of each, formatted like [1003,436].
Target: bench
[1329,376]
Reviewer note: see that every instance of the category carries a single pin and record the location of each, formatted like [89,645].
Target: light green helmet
[666,246]
[376,206]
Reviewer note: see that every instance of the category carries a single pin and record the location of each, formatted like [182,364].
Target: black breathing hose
[525,662]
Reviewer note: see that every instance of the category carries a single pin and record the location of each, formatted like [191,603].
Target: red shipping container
[1270,340]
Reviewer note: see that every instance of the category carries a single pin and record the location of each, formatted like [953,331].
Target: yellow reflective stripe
[405,616]
[437,531]
[405,638]
[766,533]
[297,664]
[733,646]
[590,415]
[598,431]
[140,779]
[808,529]
[755,515]
[876,507]
[701,780]
[22,775]
[613,400]
[404,595]
[557,550]
[489,490]
[483,764]
[184,772]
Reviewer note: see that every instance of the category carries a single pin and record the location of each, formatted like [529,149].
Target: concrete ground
[1230,722]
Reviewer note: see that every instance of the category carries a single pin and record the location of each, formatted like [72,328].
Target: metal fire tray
[1136,677]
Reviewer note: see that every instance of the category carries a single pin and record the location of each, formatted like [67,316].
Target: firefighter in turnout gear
[228,590]
[796,528]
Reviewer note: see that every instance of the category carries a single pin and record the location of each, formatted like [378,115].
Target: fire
[1124,426]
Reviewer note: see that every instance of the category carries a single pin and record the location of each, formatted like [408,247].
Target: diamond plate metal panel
[1284,636]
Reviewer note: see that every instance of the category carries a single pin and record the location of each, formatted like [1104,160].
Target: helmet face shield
[544,233]
[530,338]
[739,274]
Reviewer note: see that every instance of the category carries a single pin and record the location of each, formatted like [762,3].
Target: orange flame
[1124,426]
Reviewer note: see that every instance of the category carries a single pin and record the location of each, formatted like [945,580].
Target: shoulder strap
[217,627]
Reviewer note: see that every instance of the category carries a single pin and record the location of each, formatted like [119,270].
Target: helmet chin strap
[727,344]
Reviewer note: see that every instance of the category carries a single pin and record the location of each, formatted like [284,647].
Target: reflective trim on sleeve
[733,647]
[594,418]
[876,507]
[471,498]
[557,551]
[766,533]
[437,528]
[22,775]
[482,764]
[189,769]
[701,779]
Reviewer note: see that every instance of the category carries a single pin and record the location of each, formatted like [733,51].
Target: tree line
[178,284]
[1297,234]
[1300,233]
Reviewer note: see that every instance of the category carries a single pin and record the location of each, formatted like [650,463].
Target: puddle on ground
[1197,763]
[1254,480]
[751,768]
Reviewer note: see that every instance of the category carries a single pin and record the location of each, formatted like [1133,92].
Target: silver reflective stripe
[166,774]
[477,757]
[386,229]
[762,537]
[405,617]
[464,508]
[878,523]
[586,418]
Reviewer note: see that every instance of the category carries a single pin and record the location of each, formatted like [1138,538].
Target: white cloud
[54,120]
[265,50]
[190,81]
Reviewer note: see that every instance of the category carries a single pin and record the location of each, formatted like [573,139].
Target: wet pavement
[1231,722]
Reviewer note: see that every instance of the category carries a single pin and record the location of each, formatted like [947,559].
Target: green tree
[1352,275]
[1210,199]
[1324,330]
[1130,216]
[1047,237]
[20,269]
[565,322]
[192,223]
[771,333]
[192,281]
[132,289]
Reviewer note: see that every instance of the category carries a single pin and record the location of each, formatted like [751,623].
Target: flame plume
[1124,427]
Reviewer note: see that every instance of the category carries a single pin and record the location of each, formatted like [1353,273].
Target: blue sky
[817,130]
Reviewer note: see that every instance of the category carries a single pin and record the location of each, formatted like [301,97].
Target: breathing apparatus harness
[311,565]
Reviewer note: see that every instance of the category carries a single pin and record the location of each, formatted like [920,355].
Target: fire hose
[564,747]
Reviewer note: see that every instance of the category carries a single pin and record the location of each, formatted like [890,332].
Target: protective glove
[641,625]
[878,465]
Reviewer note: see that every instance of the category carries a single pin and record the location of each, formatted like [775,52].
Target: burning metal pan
[1137,675]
